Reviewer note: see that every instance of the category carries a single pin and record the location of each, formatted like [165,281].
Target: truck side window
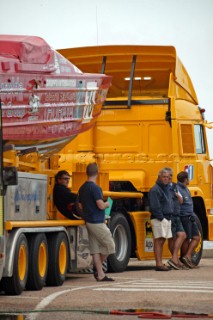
[187,138]
[199,139]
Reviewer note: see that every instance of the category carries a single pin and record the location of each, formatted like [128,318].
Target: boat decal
[89,101]
[11,84]
[59,96]
[34,102]
[66,83]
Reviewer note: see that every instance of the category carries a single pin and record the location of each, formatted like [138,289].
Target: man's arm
[102,205]
[155,206]
[80,206]
[70,199]
[98,196]
[179,197]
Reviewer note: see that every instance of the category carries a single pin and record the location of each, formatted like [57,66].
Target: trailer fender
[10,252]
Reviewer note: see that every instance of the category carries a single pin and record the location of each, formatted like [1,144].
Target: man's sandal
[175,266]
[105,279]
[162,268]
[188,262]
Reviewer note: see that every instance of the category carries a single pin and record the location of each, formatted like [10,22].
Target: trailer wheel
[58,259]
[122,237]
[197,254]
[16,284]
[38,261]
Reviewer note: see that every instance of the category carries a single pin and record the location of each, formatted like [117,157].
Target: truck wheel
[58,259]
[38,262]
[16,284]
[197,255]
[120,230]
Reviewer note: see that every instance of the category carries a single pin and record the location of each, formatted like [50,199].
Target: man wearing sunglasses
[64,199]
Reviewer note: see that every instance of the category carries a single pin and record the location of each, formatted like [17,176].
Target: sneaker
[174,265]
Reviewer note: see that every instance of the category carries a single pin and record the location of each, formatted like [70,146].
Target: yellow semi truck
[151,119]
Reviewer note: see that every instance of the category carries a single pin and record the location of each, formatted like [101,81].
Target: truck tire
[38,261]
[16,284]
[197,255]
[120,230]
[58,259]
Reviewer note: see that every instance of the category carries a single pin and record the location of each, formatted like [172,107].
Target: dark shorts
[190,226]
[177,225]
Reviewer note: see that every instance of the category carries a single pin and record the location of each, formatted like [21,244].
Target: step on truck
[151,119]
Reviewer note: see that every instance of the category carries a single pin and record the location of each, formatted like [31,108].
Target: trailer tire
[197,254]
[120,230]
[58,259]
[38,261]
[16,284]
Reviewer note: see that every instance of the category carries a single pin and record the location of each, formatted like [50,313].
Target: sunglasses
[65,178]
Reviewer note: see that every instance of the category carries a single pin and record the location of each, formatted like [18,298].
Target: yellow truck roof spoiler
[146,70]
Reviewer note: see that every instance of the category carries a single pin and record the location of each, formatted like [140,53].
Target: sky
[185,24]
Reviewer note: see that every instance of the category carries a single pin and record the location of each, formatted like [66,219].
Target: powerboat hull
[45,100]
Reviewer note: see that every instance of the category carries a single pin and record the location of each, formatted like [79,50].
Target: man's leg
[98,239]
[180,237]
[98,261]
[103,258]
[184,247]
[192,245]
[187,253]
[158,250]
[171,242]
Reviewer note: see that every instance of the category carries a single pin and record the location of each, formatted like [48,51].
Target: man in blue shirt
[178,233]
[161,208]
[93,207]
[188,219]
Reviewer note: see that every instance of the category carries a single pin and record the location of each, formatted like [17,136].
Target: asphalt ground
[139,287]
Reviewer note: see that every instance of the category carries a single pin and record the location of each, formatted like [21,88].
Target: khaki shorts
[161,229]
[100,239]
